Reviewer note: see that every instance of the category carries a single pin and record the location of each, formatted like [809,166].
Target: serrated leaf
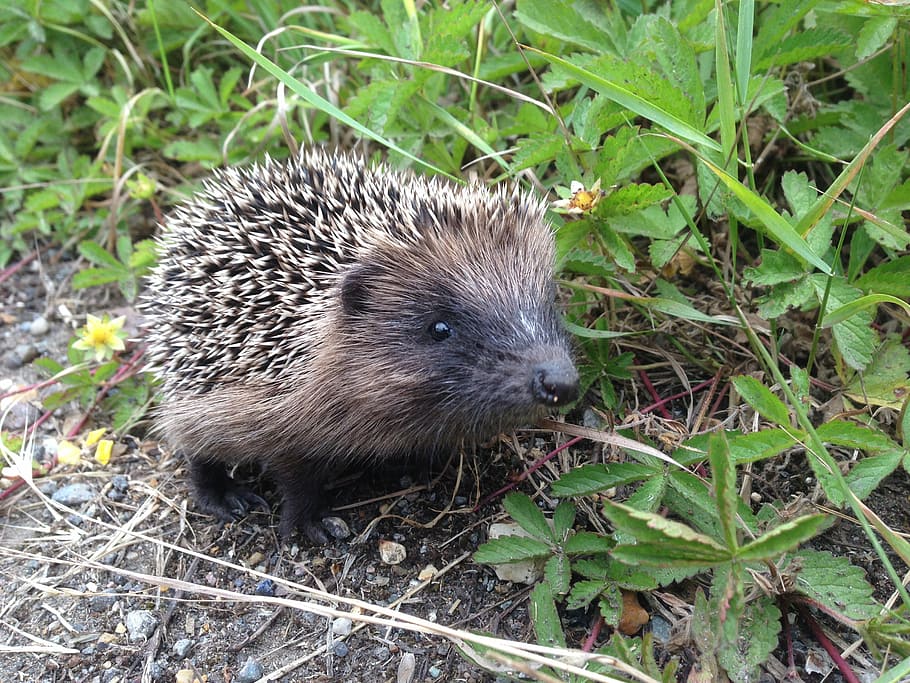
[563,519]
[94,277]
[865,476]
[856,339]
[615,88]
[806,45]
[759,627]
[835,582]
[723,474]
[761,445]
[874,33]
[562,20]
[775,268]
[632,198]
[595,478]
[587,543]
[511,549]
[583,592]
[854,435]
[557,572]
[761,399]
[545,617]
[661,541]
[672,555]
[783,538]
[885,381]
[610,604]
[525,511]
[891,277]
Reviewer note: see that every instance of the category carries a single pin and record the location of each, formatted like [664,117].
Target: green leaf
[783,538]
[595,478]
[632,101]
[761,399]
[662,542]
[776,225]
[562,20]
[587,543]
[836,583]
[583,592]
[865,476]
[557,573]
[723,474]
[98,255]
[95,277]
[808,44]
[563,519]
[886,381]
[759,627]
[856,339]
[854,435]
[761,445]
[610,604]
[874,34]
[511,549]
[525,511]
[545,617]
[891,277]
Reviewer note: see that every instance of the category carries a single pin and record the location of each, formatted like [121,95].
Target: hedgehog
[316,315]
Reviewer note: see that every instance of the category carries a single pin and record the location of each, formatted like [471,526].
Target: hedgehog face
[471,350]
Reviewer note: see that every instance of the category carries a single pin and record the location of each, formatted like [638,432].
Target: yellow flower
[581,200]
[68,453]
[94,436]
[103,451]
[101,337]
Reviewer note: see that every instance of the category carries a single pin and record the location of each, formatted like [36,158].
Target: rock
[141,624]
[120,482]
[102,603]
[337,527]
[251,671]
[391,552]
[266,587]
[340,649]
[342,626]
[527,572]
[188,676]
[74,494]
[183,647]
[434,671]
[39,327]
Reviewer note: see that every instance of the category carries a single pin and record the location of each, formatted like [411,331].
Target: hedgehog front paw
[310,527]
[230,503]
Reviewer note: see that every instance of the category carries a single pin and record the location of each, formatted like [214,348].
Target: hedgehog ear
[355,288]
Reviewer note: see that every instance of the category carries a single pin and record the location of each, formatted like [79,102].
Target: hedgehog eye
[439,330]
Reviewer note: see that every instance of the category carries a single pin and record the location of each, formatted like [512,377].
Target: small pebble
[102,603]
[251,671]
[112,675]
[337,527]
[74,494]
[115,495]
[26,352]
[406,668]
[434,671]
[342,626]
[120,482]
[340,649]
[183,647]
[39,327]
[391,552]
[660,628]
[141,624]
[266,587]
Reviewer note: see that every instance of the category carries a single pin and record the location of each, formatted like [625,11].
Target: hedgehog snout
[554,382]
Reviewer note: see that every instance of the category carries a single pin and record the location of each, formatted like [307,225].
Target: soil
[220,601]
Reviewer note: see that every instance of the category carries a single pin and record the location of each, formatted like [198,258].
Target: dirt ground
[132,585]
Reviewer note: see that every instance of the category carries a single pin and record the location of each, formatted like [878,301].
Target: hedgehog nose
[555,383]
